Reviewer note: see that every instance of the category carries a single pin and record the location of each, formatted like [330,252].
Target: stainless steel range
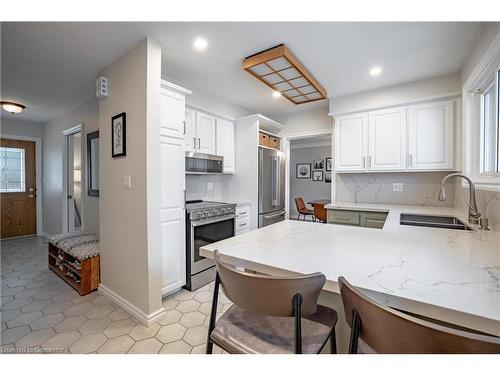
[206,223]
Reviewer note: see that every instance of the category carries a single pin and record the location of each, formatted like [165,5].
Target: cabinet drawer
[343,217]
[264,140]
[242,211]
[373,219]
[242,223]
[274,143]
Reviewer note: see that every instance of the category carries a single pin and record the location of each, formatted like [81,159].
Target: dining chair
[270,314]
[385,330]
[320,212]
[302,209]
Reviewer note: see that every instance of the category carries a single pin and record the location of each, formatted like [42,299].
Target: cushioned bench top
[80,245]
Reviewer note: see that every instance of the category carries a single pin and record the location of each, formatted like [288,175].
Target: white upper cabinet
[406,138]
[350,142]
[190,138]
[387,140]
[225,143]
[205,133]
[172,113]
[200,132]
[430,139]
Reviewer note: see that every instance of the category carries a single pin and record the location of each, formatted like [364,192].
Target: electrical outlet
[210,186]
[397,186]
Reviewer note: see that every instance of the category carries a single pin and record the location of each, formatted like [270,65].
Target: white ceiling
[51,67]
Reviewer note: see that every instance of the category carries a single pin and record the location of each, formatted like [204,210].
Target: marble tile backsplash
[488,204]
[419,188]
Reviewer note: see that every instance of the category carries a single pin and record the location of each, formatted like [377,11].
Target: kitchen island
[449,275]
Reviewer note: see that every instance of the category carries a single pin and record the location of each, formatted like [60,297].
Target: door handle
[275,215]
[194,143]
[199,143]
[184,123]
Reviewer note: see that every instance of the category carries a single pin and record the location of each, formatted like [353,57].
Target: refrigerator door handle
[281,213]
[275,181]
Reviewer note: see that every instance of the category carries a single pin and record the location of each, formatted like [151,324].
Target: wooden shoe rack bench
[82,274]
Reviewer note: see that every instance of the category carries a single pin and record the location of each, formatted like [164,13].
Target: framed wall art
[119,135]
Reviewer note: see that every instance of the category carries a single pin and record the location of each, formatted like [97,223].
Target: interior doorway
[18,188]
[73,206]
[309,168]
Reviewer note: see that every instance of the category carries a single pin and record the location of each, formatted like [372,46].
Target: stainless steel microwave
[197,163]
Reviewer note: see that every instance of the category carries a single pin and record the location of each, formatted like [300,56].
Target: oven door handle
[200,222]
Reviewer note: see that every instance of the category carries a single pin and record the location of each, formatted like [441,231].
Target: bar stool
[302,208]
[385,330]
[270,314]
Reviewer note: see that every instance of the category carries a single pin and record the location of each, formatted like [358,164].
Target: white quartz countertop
[429,271]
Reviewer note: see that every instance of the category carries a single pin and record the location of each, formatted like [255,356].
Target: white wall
[210,102]
[53,151]
[307,189]
[131,256]
[14,126]
[483,42]
[396,94]
[310,120]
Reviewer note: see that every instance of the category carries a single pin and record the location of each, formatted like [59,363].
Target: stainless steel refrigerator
[271,187]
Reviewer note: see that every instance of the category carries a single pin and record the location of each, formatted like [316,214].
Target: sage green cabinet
[368,219]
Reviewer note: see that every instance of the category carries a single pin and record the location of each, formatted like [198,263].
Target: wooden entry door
[17,188]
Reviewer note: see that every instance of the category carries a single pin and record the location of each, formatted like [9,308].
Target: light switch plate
[397,186]
[127,181]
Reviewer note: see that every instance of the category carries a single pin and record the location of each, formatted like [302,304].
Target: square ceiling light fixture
[279,69]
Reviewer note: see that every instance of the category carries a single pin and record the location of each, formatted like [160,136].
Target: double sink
[447,222]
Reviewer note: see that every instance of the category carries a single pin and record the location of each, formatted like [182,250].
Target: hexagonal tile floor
[41,313]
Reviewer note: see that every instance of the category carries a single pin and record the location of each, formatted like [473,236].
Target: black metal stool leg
[333,342]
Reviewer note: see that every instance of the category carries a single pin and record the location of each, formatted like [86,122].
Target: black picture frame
[318,164]
[91,169]
[120,120]
[328,177]
[317,176]
[328,164]
[300,175]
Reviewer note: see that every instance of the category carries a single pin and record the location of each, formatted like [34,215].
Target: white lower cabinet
[415,137]
[172,208]
[431,136]
[225,143]
[242,222]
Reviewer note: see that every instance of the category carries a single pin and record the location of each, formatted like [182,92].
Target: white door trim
[73,130]
[39,178]
[286,149]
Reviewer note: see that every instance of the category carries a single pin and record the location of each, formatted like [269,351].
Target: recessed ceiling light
[12,107]
[276,94]
[375,71]
[200,44]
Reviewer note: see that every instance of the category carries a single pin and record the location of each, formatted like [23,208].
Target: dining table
[320,202]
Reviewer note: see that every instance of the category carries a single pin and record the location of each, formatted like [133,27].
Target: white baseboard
[141,316]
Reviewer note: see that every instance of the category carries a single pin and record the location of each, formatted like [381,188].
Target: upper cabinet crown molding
[176,88]
[409,138]
[399,103]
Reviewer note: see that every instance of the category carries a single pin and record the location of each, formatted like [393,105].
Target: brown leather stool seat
[239,331]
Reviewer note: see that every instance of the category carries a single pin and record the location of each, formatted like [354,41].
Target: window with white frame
[490,128]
